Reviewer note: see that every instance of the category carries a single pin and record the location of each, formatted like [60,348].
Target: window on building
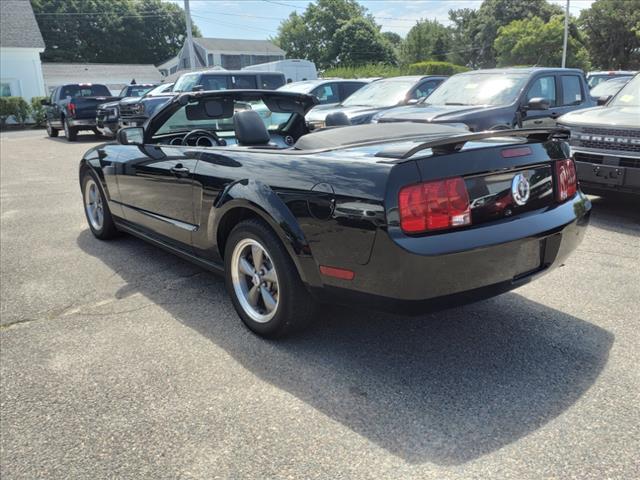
[231,62]
[5,89]
[210,59]
[571,90]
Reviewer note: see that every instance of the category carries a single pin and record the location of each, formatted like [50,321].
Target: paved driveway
[121,361]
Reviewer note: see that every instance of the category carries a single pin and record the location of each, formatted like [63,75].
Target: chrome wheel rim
[255,280]
[93,204]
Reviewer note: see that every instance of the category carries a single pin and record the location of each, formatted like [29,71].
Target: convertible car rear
[405,217]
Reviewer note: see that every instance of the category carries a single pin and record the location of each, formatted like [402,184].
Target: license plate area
[607,174]
[529,258]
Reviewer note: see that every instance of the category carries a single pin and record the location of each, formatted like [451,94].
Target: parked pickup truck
[499,99]
[73,107]
[108,114]
[605,142]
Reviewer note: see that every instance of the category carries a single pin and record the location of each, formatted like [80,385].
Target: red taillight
[71,108]
[434,206]
[566,179]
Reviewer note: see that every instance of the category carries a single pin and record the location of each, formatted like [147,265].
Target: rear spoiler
[443,146]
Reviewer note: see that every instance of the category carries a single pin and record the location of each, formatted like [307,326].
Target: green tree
[393,38]
[314,34]
[110,31]
[478,30]
[358,42]
[427,40]
[612,28]
[535,42]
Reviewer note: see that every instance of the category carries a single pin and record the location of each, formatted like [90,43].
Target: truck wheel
[52,132]
[263,282]
[69,132]
[96,208]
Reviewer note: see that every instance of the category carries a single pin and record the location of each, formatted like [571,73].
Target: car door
[53,112]
[572,94]
[155,183]
[543,86]
[347,88]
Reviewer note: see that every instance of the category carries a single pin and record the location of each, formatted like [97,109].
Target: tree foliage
[476,31]
[427,40]
[110,31]
[320,34]
[612,28]
[535,42]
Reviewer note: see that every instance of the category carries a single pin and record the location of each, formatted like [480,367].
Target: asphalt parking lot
[119,360]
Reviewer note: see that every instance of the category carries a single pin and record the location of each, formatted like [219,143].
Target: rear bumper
[82,123]
[419,274]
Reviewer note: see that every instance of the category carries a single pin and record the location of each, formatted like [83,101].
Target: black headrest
[336,119]
[249,128]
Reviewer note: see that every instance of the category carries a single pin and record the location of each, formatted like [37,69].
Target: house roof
[18,25]
[100,72]
[236,45]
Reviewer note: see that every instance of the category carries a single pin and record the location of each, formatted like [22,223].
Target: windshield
[137,90]
[629,96]
[608,88]
[478,89]
[160,88]
[383,93]
[298,87]
[597,79]
[194,115]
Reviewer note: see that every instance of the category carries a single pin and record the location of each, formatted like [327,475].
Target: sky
[259,19]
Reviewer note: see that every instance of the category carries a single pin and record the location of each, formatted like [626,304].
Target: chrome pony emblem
[520,189]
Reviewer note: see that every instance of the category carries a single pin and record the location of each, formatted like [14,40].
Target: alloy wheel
[93,204]
[255,280]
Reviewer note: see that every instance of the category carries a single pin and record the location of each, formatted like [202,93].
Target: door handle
[180,170]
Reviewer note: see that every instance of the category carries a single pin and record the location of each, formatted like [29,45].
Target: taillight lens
[566,179]
[434,206]
[71,108]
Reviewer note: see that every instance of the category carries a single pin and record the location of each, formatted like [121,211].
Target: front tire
[69,132]
[263,282]
[52,132]
[96,208]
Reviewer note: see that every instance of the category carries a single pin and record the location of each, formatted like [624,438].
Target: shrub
[38,111]
[435,68]
[381,70]
[15,107]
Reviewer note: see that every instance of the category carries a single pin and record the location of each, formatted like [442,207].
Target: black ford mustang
[406,217]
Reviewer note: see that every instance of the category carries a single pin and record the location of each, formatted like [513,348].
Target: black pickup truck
[73,107]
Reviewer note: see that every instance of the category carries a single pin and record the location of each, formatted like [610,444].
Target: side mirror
[130,136]
[44,102]
[413,101]
[604,99]
[538,103]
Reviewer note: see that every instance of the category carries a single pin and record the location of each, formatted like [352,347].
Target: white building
[21,44]
[114,75]
[228,53]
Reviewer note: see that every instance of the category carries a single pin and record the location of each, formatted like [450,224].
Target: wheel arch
[253,199]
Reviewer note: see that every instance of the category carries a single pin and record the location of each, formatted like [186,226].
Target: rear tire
[70,132]
[96,208]
[52,132]
[263,282]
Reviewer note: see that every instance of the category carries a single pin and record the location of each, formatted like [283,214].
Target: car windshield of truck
[629,96]
[197,115]
[478,89]
[138,90]
[383,93]
[85,91]
[609,88]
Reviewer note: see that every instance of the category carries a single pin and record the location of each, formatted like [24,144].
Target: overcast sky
[259,19]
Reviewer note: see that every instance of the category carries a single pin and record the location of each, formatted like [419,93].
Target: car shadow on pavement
[445,388]
[616,213]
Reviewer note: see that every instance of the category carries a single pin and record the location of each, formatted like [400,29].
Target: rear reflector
[516,152]
[566,179]
[341,273]
[434,206]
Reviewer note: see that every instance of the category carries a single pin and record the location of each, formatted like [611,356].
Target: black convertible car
[406,217]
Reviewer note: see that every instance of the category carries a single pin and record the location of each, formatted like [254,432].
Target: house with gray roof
[227,53]
[114,75]
[21,44]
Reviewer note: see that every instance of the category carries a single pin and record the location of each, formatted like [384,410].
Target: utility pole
[192,56]
[566,35]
